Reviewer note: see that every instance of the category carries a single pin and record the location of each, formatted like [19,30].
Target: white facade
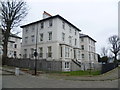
[57,39]
[14,46]
[88,52]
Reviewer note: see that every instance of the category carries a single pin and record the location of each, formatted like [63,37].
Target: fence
[42,64]
[107,67]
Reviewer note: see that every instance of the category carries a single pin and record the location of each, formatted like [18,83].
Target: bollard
[17,71]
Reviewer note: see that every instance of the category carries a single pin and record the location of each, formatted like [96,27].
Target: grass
[82,73]
[77,73]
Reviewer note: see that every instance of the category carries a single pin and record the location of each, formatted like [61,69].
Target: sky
[96,18]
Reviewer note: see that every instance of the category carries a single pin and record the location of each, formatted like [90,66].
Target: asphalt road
[29,81]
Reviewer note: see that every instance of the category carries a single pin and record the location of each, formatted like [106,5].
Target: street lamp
[35,53]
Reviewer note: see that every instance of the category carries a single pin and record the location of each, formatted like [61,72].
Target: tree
[104,51]
[12,12]
[104,59]
[115,45]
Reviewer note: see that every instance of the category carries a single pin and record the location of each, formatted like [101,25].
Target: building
[14,46]
[88,52]
[56,38]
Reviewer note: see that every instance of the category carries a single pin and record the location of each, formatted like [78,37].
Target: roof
[13,35]
[56,16]
[11,41]
[84,35]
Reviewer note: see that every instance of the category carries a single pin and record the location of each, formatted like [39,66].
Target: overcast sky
[96,18]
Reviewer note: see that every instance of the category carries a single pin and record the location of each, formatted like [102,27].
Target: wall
[42,64]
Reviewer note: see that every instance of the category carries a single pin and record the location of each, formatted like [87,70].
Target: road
[29,81]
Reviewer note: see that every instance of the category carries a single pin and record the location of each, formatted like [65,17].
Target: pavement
[25,80]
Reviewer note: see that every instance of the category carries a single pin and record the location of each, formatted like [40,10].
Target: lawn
[77,73]
[82,73]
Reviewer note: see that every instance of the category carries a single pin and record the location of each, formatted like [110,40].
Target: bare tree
[12,12]
[115,45]
[104,51]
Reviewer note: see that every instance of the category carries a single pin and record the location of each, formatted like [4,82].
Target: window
[50,35]
[89,56]
[15,45]
[26,31]
[49,51]
[70,29]
[16,39]
[82,39]
[67,52]
[63,25]
[42,25]
[75,41]
[83,56]
[63,36]
[32,38]
[32,53]
[89,41]
[82,47]
[41,52]
[25,53]
[67,64]
[74,53]
[11,45]
[26,39]
[33,28]
[89,48]
[75,32]
[50,23]
[61,51]
[41,37]
[79,54]
[94,57]
[15,53]
[70,39]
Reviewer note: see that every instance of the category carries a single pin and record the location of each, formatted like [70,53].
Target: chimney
[46,15]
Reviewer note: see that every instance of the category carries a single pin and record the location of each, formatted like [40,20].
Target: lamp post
[35,53]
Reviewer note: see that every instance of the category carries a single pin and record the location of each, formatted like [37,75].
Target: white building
[57,39]
[14,45]
[88,52]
